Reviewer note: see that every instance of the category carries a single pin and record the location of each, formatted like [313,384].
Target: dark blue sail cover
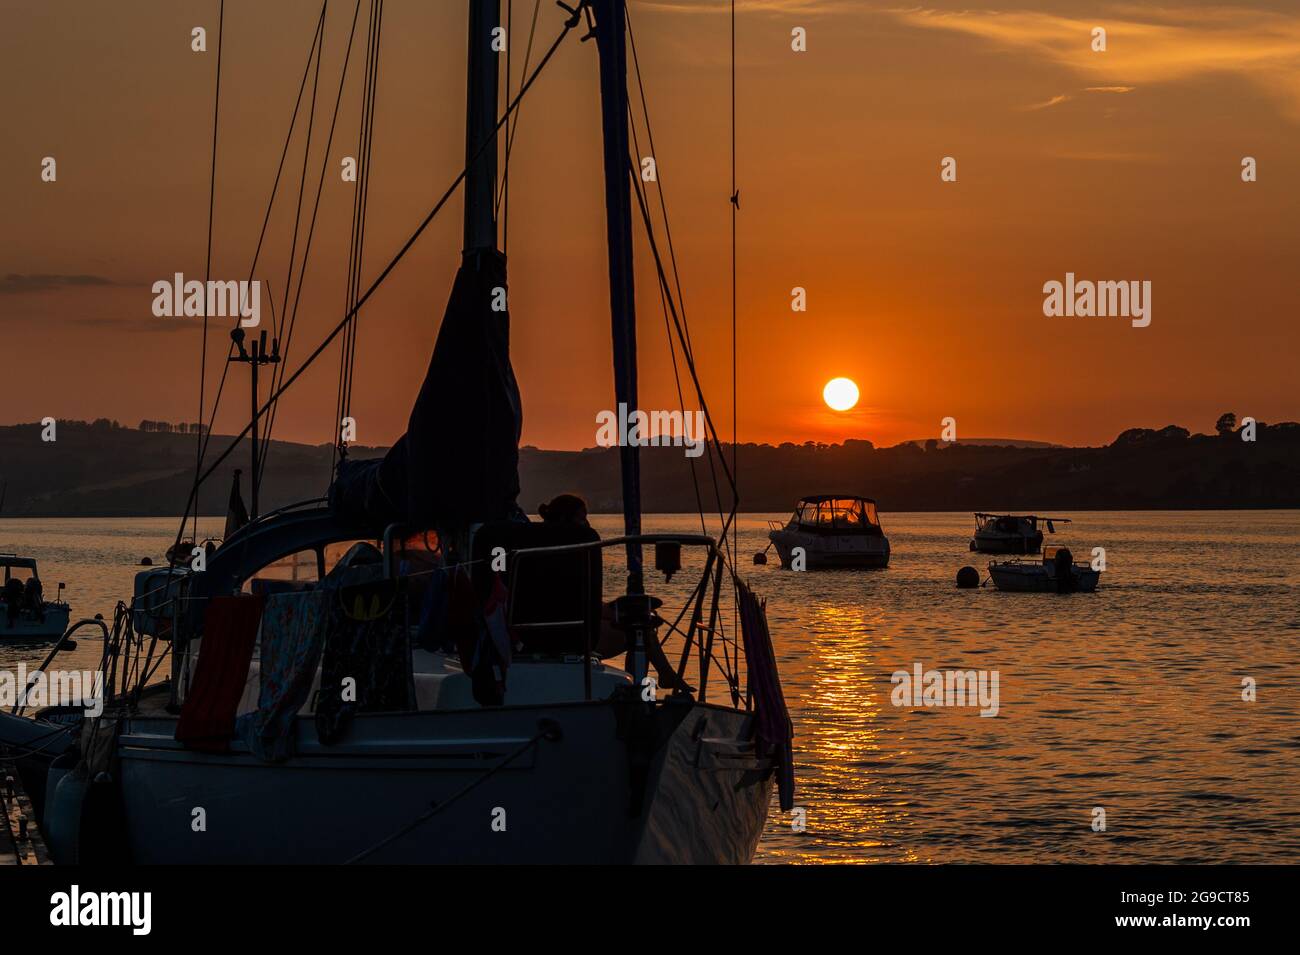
[458,462]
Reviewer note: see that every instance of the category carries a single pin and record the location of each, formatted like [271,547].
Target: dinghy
[1056,573]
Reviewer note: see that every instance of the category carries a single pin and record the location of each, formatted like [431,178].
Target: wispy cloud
[13,284]
[1145,45]
[1105,156]
[748,6]
[136,323]
[1055,100]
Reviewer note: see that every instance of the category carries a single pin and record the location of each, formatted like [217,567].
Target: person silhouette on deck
[33,597]
[564,509]
[572,510]
[13,600]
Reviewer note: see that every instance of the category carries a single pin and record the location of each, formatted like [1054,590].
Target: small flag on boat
[236,513]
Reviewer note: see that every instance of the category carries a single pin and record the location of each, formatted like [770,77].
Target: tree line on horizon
[96,469]
[1226,424]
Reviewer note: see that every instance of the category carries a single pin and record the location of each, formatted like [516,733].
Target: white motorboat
[1012,533]
[432,680]
[25,616]
[1055,573]
[831,530]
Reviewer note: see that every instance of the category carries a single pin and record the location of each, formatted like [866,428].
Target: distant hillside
[105,471]
[100,470]
[990,443]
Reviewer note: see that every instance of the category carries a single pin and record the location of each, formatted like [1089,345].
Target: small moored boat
[833,530]
[1011,533]
[25,614]
[1055,573]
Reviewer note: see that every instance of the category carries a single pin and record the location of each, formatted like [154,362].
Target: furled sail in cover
[458,461]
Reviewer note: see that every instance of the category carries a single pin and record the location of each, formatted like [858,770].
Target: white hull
[705,797]
[994,542]
[1040,578]
[28,629]
[831,550]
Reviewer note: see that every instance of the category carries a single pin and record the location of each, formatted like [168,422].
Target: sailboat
[440,689]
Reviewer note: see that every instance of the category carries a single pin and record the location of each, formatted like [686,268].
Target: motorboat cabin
[1011,533]
[831,530]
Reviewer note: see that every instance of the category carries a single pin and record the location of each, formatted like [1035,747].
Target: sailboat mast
[480,124]
[611,27]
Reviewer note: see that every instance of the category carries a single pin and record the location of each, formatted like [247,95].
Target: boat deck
[20,840]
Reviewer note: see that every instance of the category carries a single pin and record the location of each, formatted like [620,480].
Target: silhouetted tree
[1226,423]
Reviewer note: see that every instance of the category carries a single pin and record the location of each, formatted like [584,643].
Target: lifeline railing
[637,610]
[633,613]
[20,703]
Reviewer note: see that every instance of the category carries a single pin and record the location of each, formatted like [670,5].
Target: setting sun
[840,394]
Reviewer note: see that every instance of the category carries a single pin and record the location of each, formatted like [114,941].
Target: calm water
[1128,699]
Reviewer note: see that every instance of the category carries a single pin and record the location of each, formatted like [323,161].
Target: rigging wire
[672,345]
[729,545]
[645,110]
[714,447]
[291,319]
[735,403]
[503,193]
[735,211]
[663,300]
[302,183]
[365,203]
[207,269]
[276,324]
[681,335]
[569,24]
[546,729]
[360,202]
[206,433]
[687,345]
[317,38]
[504,190]
[715,442]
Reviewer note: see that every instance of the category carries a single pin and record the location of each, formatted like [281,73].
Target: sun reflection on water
[854,809]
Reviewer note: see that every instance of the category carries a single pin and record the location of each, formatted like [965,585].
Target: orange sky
[1115,166]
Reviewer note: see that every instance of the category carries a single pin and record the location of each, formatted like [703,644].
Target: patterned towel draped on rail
[366,664]
[352,627]
[293,636]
